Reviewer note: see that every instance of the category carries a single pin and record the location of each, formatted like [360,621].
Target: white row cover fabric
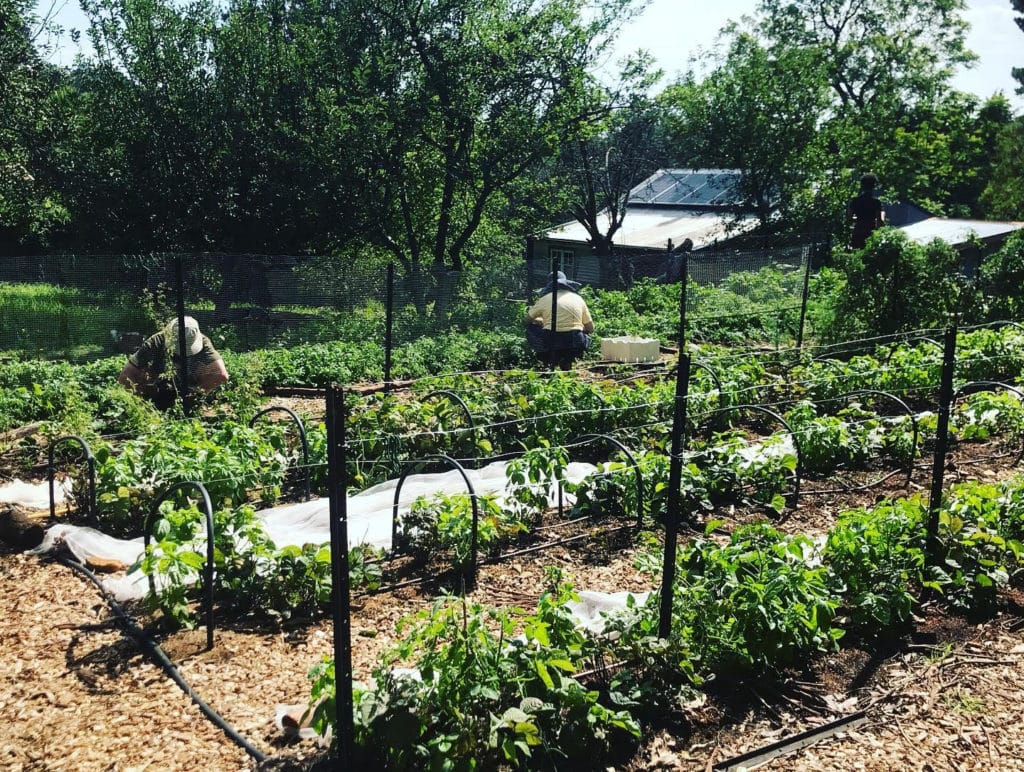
[369,520]
[35,495]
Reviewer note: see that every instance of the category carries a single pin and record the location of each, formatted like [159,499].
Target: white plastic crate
[629,348]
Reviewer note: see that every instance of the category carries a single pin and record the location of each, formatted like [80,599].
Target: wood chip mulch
[77,694]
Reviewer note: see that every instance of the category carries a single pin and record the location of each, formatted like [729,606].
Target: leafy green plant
[445,523]
[531,478]
[876,557]
[229,459]
[754,604]
[978,560]
[478,695]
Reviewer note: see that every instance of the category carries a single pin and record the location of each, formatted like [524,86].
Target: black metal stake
[340,593]
[803,300]
[675,475]
[389,325]
[555,268]
[941,441]
[179,273]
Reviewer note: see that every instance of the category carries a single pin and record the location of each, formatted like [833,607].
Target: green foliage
[1000,277]
[1004,195]
[986,414]
[252,574]
[893,285]
[876,557]
[229,459]
[532,477]
[755,604]
[978,558]
[479,696]
[758,111]
[445,523]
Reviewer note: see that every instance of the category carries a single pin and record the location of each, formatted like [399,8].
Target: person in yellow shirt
[561,346]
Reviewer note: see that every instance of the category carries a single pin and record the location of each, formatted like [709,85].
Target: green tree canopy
[28,207]
[759,111]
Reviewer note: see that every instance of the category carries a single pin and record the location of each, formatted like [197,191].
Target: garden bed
[78,689]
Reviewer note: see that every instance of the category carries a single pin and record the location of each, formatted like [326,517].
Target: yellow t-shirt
[573,313]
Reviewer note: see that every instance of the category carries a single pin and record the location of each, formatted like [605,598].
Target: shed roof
[703,188]
[956,232]
[651,227]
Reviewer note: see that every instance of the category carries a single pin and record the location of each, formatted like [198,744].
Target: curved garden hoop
[454,397]
[300,427]
[415,467]
[90,461]
[154,512]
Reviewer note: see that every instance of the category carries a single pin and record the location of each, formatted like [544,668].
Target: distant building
[973,239]
[959,233]
[672,205]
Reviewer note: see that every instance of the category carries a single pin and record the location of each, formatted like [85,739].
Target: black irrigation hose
[151,647]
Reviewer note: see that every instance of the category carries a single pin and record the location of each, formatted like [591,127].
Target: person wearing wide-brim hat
[561,346]
[154,370]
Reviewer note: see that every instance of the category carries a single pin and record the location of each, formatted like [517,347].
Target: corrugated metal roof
[651,228]
[702,188]
[957,231]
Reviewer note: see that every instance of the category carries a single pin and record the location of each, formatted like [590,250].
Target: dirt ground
[77,694]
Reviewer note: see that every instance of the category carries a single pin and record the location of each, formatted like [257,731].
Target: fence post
[941,441]
[530,252]
[179,276]
[675,475]
[389,325]
[803,297]
[556,266]
[337,492]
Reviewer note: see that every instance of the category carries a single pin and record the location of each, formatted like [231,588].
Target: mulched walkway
[76,694]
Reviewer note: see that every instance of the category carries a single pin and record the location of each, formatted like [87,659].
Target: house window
[566,259]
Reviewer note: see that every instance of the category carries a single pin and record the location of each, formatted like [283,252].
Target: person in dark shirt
[865,211]
[153,371]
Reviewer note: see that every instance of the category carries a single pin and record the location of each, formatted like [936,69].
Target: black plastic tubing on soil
[152,648]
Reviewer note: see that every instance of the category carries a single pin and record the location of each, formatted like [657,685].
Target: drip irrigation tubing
[152,648]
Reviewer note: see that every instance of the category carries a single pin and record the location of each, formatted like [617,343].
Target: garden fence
[79,308]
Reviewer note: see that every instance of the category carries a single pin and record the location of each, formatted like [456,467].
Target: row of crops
[351,349]
[531,698]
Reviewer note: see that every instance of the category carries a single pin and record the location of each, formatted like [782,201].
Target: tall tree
[456,101]
[1004,195]
[28,206]
[598,169]
[759,112]
[1018,72]
[892,51]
